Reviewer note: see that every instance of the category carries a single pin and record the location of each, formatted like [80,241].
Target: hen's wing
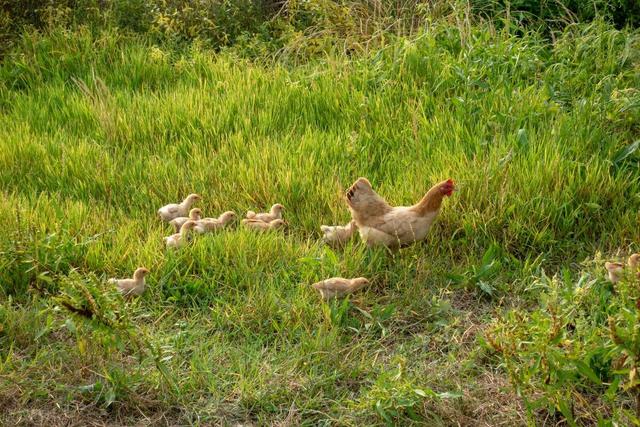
[374,237]
[364,203]
[405,226]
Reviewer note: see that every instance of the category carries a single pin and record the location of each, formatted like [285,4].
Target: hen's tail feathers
[364,201]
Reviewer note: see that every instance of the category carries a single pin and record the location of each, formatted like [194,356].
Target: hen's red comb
[451,187]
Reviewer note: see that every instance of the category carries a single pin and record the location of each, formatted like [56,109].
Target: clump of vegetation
[576,355]
[558,13]
[300,28]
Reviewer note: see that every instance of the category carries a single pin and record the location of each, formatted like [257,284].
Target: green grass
[99,130]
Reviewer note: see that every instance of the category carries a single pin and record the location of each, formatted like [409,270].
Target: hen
[382,224]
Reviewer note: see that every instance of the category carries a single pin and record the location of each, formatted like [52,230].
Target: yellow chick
[255,224]
[134,286]
[207,225]
[174,210]
[337,287]
[194,215]
[338,235]
[180,239]
[274,213]
[615,270]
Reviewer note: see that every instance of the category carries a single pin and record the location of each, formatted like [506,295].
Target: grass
[99,130]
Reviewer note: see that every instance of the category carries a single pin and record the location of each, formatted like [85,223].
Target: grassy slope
[527,131]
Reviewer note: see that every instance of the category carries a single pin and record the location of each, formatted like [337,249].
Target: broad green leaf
[45,278]
[565,409]
[449,395]
[485,287]
[70,325]
[455,278]
[412,414]
[586,371]
[380,410]
[522,139]
[624,153]
[422,393]
[613,388]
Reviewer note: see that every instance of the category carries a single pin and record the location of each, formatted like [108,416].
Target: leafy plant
[395,396]
[581,342]
[481,276]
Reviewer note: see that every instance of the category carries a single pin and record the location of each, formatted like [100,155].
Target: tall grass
[97,130]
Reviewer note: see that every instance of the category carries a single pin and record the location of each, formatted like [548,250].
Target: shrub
[306,26]
[216,22]
[556,13]
[579,346]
